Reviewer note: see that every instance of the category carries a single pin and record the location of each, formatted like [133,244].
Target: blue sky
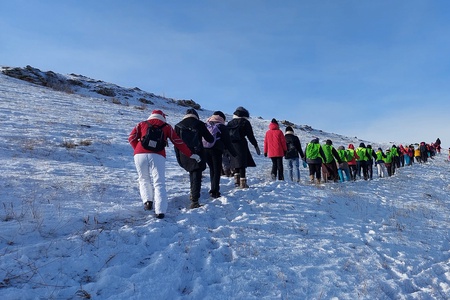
[378,70]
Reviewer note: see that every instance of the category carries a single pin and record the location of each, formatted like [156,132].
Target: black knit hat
[274,121]
[289,128]
[242,112]
[192,111]
[221,114]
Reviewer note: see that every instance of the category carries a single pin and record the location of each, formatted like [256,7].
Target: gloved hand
[196,157]
[265,154]
[257,150]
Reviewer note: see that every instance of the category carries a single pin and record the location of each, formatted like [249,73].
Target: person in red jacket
[275,148]
[351,160]
[151,165]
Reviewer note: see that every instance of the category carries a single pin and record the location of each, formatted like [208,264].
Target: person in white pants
[381,167]
[151,164]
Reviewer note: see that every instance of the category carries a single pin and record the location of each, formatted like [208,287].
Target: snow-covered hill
[72,224]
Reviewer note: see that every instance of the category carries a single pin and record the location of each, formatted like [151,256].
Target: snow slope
[73,227]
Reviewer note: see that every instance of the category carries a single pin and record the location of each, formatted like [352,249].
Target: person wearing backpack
[343,168]
[150,163]
[294,149]
[314,154]
[275,148]
[352,156]
[379,162]
[362,161]
[240,130]
[192,131]
[329,167]
[214,151]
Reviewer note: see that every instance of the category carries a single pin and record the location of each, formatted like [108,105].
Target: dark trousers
[195,178]
[315,169]
[353,171]
[214,161]
[277,168]
[362,164]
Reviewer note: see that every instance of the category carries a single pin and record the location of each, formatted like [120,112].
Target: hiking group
[197,144]
[224,148]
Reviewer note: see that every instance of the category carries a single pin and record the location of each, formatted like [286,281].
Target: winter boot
[311,178]
[243,183]
[195,204]
[237,178]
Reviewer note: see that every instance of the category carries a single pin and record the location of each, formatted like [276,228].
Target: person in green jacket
[388,161]
[379,162]
[314,154]
[362,161]
[343,167]
[329,167]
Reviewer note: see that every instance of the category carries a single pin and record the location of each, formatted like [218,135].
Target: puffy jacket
[274,141]
[169,133]
[294,147]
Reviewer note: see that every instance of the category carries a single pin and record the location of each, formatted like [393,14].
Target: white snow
[72,225]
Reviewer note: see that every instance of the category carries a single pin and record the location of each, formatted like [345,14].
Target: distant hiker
[314,154]
[150,164]
[240,130]
[329,167]
[351,160]
[396,158]
[370,161]
[379,162]
[214,151]
[449,154]
[192,131]
[417,155]
[294,149]
[389,162]
[275,147]
[437,144]
[423,152]
[362,160]
[343,168]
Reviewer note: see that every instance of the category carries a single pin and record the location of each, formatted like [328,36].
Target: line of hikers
[224,148]
[329,164]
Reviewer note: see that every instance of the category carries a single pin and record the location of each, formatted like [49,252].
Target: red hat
[157,114]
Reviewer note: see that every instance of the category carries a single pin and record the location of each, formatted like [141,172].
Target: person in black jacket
[243,159]
[294,149]
[214,153]
[192,130]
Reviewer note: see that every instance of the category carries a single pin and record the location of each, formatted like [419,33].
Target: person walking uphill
[192,130]
[240,129]
[150,163]
[214,151]
[329,167]
[314,154]
[294,148]
[275,147]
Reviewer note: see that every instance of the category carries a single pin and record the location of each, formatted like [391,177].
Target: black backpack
[191,137]
[153,139]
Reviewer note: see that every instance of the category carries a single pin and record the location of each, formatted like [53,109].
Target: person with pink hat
[151,161]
